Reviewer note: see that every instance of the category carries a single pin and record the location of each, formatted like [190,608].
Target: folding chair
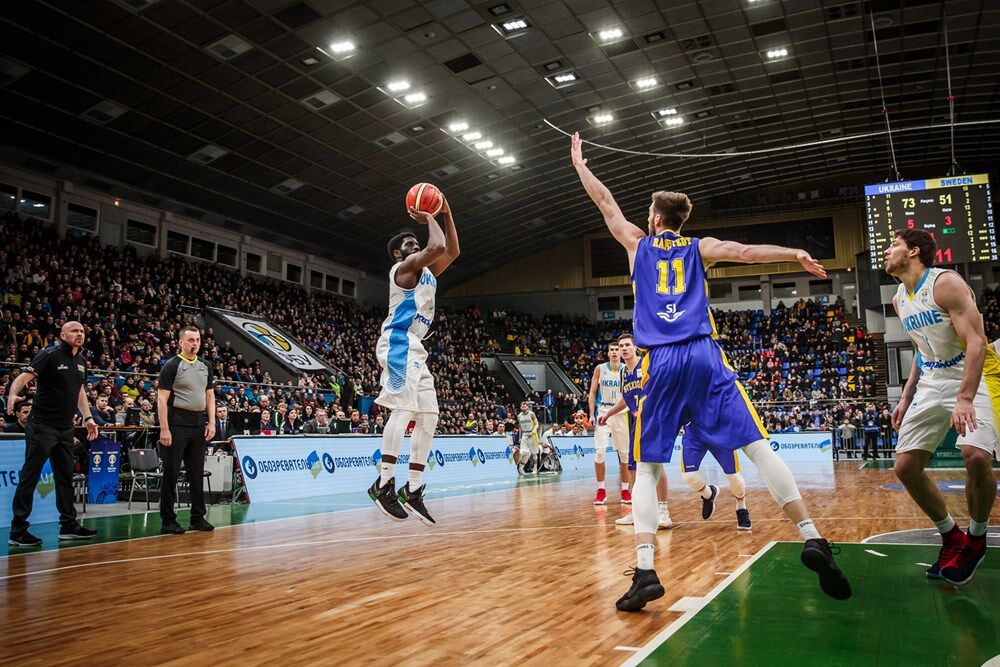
[145,465]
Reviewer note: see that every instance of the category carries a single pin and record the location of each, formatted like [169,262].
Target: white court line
[666,633]
[723,574]
[688,604]
[283,545]
[924,564]
[627,648]
[876,553]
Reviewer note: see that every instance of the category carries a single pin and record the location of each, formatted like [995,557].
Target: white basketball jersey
[525,422]
[609,392]
[941,352]
[411,311]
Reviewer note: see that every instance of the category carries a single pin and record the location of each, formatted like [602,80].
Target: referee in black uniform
[186,402]
[61,372]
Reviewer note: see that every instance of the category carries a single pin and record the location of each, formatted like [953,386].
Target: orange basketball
[425,197]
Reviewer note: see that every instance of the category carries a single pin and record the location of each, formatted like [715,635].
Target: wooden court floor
[528,576]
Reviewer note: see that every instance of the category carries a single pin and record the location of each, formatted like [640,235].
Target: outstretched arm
[624,231]
[452,250]
[714,250]
[409,271]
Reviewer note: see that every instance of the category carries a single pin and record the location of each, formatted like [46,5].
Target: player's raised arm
[713,251]
[624,231]
[452,250]
[409,270]
[955,297]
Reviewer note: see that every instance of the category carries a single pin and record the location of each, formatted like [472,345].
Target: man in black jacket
[61,372]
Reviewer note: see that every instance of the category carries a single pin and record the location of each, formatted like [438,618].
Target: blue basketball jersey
[671,293]
[632,386]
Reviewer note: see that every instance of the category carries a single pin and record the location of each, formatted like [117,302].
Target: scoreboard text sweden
[957,211]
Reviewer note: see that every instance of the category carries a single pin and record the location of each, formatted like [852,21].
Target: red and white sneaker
[601,498]
[626,497]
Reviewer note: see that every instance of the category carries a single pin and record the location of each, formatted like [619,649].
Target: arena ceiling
[232,108]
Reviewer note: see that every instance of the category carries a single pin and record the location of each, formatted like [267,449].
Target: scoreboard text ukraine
[957,211]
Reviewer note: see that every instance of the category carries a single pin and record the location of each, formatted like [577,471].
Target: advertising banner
[280,468]
[287,467]
[11,459]
[578,451]
[276,342]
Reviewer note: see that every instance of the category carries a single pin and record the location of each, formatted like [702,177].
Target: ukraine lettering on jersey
[924,318]
[671,291]
[609,386]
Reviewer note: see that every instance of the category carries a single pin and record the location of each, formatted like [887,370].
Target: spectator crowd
[793,362]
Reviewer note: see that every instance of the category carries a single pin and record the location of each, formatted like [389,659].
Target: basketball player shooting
[407,384]
[687,378]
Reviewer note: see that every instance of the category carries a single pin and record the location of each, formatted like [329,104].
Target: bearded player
[407,384]
[686,376]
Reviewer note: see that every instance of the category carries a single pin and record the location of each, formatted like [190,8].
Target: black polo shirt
[58,378]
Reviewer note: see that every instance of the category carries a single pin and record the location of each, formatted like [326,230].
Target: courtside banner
[276,342]
[578,451]
[11,460]
[285,467]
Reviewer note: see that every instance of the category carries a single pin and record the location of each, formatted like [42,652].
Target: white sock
[977,529]
[807,530]
[415,478]
[624,486]
[945,525]
[644,556]
[706,492]
[741,503]
[662,505]
[600,485]
[386,471]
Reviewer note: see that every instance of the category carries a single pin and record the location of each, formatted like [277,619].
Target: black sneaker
[413,501]
[960,569]
[172,528]
[76,532]
[645,588]
[818,557]
[385,499]
[201,525]
[23,539]
[708,504]
[951,543]
[742,519]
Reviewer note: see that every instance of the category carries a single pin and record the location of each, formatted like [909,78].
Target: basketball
[425,197]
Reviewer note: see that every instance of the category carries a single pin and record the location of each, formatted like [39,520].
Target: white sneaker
[665,521]
[625,520]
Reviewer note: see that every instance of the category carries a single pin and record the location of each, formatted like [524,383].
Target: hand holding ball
[425,198]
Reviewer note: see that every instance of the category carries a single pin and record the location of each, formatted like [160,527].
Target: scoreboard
[957,211]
